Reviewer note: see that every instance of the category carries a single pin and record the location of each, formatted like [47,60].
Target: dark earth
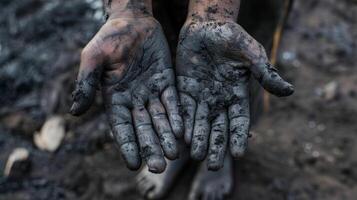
[304,148]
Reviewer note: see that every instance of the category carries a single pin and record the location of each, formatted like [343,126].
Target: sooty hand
[130,59]
[214,62]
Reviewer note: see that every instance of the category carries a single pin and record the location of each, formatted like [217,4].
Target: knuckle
[159,116]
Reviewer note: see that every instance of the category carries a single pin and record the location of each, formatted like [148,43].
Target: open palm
[130,59]
[214,62]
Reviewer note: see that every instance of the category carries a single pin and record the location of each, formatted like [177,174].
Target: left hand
[214,61]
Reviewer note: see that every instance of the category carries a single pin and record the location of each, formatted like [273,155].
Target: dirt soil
[304,148]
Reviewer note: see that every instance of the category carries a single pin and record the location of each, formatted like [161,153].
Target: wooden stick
[276,43]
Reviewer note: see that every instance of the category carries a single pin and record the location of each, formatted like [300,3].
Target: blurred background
[304,147]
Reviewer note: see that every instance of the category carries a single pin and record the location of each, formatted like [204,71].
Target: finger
[123,133]
[188,114]
[239,122]
[171,102]
[269,78]
[200,132]
[248,50]
[149,143]
[87,81]
[163,129]
[218,142]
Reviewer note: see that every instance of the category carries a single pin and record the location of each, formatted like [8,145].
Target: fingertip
[282,90]
[172,154]
[288,90]
[198,155]
[156,164]
[83,97]
[277,86]
[133,166]
[237,152]
[130,154]
[238,146]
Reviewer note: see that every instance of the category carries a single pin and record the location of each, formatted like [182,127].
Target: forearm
[128,8]
[214,9]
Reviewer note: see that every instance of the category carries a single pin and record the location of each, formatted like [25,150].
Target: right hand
[130,58]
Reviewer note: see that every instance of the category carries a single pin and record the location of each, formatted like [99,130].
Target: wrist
[213,10]
[127,8]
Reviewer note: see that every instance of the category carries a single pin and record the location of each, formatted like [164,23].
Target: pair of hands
[129,57]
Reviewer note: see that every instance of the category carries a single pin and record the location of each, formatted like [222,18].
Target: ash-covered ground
[304,148]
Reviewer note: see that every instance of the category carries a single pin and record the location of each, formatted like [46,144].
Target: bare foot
[213,185]
[156,186]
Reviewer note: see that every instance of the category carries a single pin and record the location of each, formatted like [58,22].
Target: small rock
[330,91]
[17,163]
[289,56]
[51,134]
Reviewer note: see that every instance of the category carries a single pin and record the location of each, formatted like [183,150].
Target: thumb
[271,81]
[247,48]
[86,84]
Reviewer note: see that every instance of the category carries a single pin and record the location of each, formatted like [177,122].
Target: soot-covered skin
[215,59]
[130,59]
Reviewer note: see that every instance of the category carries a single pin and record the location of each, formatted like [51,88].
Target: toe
[219,196]
[155,193]
[147,189]
[193,195]
[142,183]
[144,187]
[151,194]
[208,195]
